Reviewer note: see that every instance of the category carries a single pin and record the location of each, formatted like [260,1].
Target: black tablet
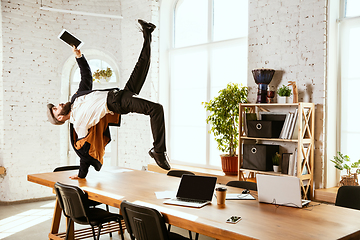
[70,39]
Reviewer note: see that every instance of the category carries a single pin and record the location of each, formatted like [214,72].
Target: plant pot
[276,168]
[229,165]
[347,180]
[283,99]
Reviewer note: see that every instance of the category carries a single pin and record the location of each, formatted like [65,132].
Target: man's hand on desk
[74,177]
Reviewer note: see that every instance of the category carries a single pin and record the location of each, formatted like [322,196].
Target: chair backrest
[348,196]
[73,201]
[179,173]
[243,184]
[143,223]
[66,168]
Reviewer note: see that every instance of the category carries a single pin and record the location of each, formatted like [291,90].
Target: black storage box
[264,129]
[259,156]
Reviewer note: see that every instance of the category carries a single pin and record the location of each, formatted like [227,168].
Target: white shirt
[87,111]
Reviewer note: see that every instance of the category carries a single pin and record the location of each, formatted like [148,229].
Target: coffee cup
[221,195]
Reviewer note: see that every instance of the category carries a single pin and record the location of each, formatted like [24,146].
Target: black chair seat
[243,184]
[97,216]
[179,173]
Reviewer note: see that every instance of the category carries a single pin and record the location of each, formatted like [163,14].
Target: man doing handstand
[91,112]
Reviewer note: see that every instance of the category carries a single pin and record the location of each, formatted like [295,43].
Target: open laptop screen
[196,187]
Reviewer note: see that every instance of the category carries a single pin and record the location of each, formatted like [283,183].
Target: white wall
[33,60]
[289,36]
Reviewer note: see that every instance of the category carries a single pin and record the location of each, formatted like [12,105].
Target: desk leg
[56,218]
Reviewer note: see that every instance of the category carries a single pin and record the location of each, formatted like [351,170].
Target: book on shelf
[290,126]
[285,130]
[285,163]
[293,124]
[293,164]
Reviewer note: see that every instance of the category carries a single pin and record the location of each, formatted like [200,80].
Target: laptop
[194,191]
[280,190]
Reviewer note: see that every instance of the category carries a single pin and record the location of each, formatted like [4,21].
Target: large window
[350,78]
[208,50]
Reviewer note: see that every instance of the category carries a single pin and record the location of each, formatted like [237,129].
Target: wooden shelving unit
[304,142]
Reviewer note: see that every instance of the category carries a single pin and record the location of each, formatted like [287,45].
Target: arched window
[95,64]
[206,50]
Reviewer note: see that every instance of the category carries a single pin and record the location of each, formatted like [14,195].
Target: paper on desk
[165,194]
[236,196]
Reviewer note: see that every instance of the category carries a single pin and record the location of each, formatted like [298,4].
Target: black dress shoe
[160,159]
[146,26]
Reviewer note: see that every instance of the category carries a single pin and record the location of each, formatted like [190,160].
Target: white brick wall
[289,36]
[33,59]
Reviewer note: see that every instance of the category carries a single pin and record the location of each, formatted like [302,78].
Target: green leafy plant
[284,91]
[343,162]
[224,116]
[276,159]
[102,74]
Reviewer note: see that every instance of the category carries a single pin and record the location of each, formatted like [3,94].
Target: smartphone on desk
[233,219]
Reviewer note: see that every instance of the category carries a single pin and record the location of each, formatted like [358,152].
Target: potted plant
[343,162]
[284,93]
[102,74]
[276,161]
[224,121]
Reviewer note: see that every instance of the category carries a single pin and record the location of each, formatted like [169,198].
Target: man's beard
[66,109]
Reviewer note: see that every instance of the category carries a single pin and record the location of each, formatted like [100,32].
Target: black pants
[125,101]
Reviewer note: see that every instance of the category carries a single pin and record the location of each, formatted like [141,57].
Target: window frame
[167,47]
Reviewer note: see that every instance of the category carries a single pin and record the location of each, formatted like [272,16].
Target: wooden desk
[259,220]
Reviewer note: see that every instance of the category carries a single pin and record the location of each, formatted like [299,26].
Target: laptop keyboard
[189,200]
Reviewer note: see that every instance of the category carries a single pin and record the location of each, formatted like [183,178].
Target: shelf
[304,142]
[264,172]
[302,177]
[269,139]
[276,104]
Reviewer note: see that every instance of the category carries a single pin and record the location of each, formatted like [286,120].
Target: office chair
[73,201]
[145,223]
[91,203]
[243,184]
[349,197]
[179,173]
